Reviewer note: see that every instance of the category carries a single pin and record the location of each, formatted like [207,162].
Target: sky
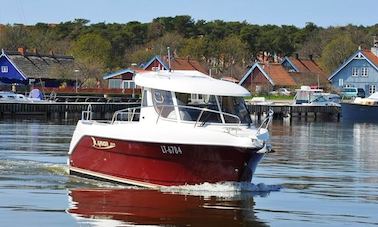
[323,13]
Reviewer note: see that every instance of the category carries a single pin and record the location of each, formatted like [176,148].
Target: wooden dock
[60,109]
[281,111]
[63,109]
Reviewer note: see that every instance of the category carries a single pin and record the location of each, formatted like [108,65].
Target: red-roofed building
[266,77]
[305,71]
[124,79]
[360,70]
[162,63]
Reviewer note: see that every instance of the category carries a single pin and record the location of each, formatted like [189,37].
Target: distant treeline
[226,47]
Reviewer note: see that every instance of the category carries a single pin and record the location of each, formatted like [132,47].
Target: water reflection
[151,207]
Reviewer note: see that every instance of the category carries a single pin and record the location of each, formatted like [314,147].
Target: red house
[266,77]
[158,63]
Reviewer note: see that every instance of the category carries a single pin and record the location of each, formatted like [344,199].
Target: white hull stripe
[113,178]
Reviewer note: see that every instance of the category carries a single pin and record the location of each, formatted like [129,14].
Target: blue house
[9,72]
[24,67]
[359,71]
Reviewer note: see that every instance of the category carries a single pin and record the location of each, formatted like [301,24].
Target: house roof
[372,57]
[36,65]
[364,54]
[279,74]
[178,64]
[275,73]
[117,73]
[156,57]
[305,65]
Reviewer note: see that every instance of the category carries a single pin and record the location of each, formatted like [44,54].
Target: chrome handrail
[266,122]
[120,112]
[87,114]
[201,113]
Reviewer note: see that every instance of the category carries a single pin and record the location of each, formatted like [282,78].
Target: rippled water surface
[328,172]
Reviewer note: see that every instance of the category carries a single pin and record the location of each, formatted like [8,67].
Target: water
[328,172]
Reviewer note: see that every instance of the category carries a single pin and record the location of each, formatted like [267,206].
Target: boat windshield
[232,109]
[318,99]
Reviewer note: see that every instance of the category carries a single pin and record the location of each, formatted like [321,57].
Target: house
[162,63]
[291,72]
[360,70]
[123,79]
[266,77]
[305,71]
[23,67]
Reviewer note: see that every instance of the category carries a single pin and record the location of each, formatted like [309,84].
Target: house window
[341,82]
[128,84]
[115,83]
[372,89]
[4,69]
[354,71]
[364,71]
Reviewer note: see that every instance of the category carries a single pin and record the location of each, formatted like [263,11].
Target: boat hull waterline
[162,164]
[354,112]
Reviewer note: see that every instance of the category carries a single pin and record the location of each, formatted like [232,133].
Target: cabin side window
[163,103]
[234,109]
[191,107]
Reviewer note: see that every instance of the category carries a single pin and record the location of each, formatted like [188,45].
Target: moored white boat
[171,139]
[315,97]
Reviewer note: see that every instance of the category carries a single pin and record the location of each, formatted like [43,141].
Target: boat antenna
[169,59]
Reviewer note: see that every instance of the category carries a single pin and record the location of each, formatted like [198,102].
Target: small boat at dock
[361,109]
[315,97]
[172,139]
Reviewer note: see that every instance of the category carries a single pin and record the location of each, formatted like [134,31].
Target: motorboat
[361,109]
[315,97]
[171,139]
[11,97]
[8,96]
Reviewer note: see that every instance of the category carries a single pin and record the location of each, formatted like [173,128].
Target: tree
[92,52]
[335,52]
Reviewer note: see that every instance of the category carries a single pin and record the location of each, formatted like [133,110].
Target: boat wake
[223,189]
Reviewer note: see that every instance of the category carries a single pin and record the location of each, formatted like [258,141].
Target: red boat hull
[158,164]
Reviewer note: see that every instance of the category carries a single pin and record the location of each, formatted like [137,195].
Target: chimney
[296,56]
[310,57]
[374,49]
[21,50]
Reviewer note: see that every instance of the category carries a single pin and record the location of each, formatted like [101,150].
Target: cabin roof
[189,81]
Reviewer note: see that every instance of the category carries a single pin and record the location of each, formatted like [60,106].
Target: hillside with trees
[227,48]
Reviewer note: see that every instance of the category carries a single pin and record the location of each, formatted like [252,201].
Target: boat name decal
[170,149]
[102,144]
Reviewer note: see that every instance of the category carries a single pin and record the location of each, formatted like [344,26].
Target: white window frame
[126,84]
[355,71]
[364,71]
[341,82]
[4,69]
[372,88]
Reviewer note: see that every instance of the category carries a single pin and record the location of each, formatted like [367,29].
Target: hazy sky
[290,12]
